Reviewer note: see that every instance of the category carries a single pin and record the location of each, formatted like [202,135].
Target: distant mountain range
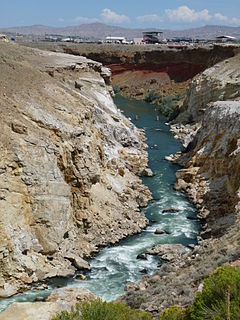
[100,31]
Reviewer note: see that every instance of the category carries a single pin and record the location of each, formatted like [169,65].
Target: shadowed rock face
[211,174]
[218,83]
[68,166]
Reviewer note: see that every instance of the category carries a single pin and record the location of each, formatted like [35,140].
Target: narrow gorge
[76,175]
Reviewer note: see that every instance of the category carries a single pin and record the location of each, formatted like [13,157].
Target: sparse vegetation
[175,313]
[219,300]
[116,89]
[168,106]
[152,97]
[100,310]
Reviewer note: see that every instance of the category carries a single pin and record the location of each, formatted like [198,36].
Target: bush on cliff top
[100,310]
[175,313]
[220,297]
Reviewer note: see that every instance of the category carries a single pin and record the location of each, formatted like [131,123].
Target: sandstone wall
[68,166]
[211,168]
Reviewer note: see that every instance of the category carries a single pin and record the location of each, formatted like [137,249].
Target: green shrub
[152,97]
[169,106]
[220,297]
[175,313]
[99,310]
[116,89]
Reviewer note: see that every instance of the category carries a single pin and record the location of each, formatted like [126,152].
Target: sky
[170,14]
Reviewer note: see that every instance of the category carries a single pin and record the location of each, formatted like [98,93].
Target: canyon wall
[68,168]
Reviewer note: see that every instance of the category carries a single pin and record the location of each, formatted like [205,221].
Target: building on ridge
[152,37]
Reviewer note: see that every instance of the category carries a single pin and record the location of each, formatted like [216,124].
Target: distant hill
[100,31]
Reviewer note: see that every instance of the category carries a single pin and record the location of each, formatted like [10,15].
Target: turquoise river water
[116,265]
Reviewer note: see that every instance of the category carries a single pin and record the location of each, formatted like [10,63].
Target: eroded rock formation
[68,167]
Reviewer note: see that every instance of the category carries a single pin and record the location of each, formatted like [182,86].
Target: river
[116,265]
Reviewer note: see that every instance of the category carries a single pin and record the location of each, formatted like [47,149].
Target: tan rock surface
[59,300]
[61,194]
[30,311]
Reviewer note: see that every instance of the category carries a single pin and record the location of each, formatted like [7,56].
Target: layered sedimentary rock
[211,174]
[210,154]
[68,167]
[148,71]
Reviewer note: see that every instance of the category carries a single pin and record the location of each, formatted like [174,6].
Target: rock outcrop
[221,82]
[59,300]
[68,167]
[211,173]
[209,155]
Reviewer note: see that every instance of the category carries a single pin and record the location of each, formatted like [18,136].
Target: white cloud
[149,18]
[224,19]
[80,19]
[185,14]
[110,16]
[235,21]
[220,17]
[61,20]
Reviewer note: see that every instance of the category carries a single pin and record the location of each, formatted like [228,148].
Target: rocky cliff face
[68,166]
[218,83]
[211,178]
[210,155]
[211,174]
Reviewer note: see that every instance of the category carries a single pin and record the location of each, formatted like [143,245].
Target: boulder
[147,172]
[78,262]
[171,210]
[70,296]
[7,291]
[142,256]
[159,231]
[30,311]
[80,277]
[168,252]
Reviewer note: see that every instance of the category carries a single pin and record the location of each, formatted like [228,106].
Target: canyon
[88,193]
